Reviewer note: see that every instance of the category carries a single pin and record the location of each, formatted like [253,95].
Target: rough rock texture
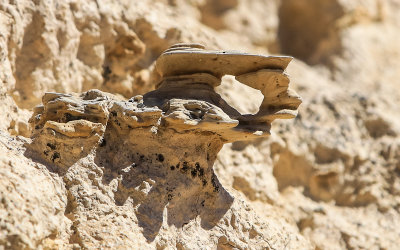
[148,168]
[329,179]
[153,155]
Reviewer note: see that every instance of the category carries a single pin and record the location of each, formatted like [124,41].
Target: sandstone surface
[328,179]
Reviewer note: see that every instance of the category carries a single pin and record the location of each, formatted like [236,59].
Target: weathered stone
[182,103]
[153,153]
[183,59]
[189,71]
[327,179]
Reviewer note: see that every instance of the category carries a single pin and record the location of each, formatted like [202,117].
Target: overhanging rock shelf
[158,150]
[188,74]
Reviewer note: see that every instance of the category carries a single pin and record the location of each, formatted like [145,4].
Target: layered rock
[183,101]
[330,174]
[153,155]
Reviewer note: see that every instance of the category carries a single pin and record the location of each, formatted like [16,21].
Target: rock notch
[157,151]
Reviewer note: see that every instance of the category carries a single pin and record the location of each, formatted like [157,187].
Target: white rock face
[329,179]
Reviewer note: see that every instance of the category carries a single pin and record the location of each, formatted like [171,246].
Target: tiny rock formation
[188,71]
[329,179]
[184,103]
[157,151]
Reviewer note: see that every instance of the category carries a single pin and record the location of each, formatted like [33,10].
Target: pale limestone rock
[151,158]
[341,153]
[32,200]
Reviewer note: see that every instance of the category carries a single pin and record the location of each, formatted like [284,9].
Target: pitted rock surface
[153,152]
[328,179]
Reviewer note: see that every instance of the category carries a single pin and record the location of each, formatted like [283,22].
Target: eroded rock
[184,101]
[336,166]
[155,153]
[184,105]
[192,71]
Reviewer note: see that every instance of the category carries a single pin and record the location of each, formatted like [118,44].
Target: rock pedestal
[157,151]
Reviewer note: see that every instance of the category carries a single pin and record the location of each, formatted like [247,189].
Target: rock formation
[327,179]
[154,154]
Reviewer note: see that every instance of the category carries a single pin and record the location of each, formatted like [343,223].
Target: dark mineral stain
[193,172]
[214,183]
[52,146]
[160,157]
[185,167]
[201,172]
[55,156]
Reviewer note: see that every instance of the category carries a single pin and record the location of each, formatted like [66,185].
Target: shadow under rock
[184,189]
[51,166]
[153,182]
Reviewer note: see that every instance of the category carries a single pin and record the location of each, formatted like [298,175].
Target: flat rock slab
[218,63]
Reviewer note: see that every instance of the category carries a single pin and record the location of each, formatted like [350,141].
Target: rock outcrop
[327,179]
[153,155]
